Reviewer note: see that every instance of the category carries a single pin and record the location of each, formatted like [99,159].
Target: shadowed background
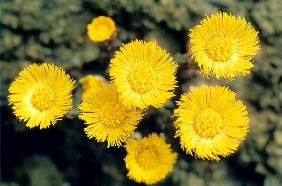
[55,31]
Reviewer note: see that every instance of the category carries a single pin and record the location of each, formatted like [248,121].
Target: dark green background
[55,31]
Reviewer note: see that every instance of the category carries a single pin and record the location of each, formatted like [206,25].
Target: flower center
[220,49]
[208,123]
[43,98]
[146,157]
[141,78]
[112,115]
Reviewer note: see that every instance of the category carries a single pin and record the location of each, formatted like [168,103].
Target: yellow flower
[144,74]
[149,160]
[107,119]
[41,95]
[210,122]
[224,45]
[101,28]
[91,84]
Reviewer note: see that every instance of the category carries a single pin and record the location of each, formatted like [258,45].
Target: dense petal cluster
[210,122]
[106,118]
[41,95]
[144,74]
[149,160]
[101,29]
[223,45]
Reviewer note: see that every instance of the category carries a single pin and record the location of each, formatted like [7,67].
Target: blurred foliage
[55,31]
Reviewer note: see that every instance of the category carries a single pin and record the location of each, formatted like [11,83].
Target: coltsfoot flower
[223,45]
[101,29]
[210,122]
[106,117]
[41,95]
[149,160]
[91,83]
[144,74]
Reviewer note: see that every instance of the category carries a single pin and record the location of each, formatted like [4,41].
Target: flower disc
[101,29]
[223,45]
[107,119]
[149,160]
[41,95]
[210,122]
[144,74]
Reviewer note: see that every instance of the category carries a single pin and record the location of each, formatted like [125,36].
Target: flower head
[224,45]
[41,94]
[144,74]
[101,29]
[210,122]
[107,119]
[149,160]
[91,84]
